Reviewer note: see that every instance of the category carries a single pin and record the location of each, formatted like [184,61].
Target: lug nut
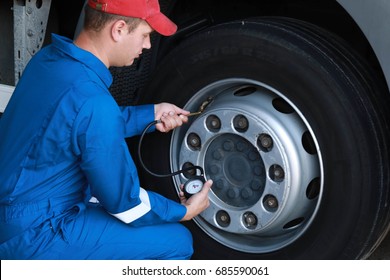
[276,173]
[213,123]
[194,141]
[220,184]
[246,193]
[217,154]
[241,123]
[255,185]
[223,218]
[250,220]
[214,169]
[265,142]
[270,203]
[228,145]
[231,193]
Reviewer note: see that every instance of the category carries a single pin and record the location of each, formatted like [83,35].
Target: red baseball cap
[148,10]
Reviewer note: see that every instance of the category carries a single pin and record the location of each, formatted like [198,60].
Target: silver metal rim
[264,160]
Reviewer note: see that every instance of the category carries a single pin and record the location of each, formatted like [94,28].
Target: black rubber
[343,100]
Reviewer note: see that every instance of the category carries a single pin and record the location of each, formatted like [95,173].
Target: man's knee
[182,244]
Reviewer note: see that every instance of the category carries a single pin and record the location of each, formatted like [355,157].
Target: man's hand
[197,202]
[170,115]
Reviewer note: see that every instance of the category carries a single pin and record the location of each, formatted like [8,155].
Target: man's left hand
[170,115]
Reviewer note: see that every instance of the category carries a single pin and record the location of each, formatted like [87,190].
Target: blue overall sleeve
[99,131]
[137,118]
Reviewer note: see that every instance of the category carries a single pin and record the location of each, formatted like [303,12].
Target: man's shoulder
[91,90]
[94,96]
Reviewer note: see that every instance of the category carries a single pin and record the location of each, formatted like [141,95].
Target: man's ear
[118,29]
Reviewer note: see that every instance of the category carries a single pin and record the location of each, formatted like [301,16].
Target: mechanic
[63,145]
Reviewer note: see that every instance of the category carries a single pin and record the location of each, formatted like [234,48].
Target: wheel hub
[235,166]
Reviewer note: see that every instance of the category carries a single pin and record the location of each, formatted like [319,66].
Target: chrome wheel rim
[264,159]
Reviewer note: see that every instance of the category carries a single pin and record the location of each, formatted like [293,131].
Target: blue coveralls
[62,137]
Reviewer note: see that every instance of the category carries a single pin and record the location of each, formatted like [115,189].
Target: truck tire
[295,139]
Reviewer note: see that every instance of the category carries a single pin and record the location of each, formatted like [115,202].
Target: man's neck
[91,42]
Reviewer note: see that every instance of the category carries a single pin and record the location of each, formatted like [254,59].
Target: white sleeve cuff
[137,211]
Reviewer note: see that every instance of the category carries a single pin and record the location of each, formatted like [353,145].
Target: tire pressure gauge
[193,186]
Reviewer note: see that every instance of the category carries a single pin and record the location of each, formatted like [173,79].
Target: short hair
[96,20]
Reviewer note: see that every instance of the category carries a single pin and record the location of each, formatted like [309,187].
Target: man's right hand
[197,202]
